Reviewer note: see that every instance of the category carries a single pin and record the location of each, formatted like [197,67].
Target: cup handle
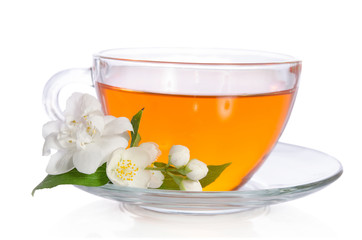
[55,85]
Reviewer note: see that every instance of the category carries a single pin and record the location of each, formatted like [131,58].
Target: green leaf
[169,183]
[136,123]
[176,178]
[213,173]
[74,177]
[136,141]
[159,164]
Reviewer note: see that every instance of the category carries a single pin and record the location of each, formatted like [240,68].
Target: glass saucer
[290,172]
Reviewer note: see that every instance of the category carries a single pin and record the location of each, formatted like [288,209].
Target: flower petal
[116,156]
[90,105]
[98,122]
[51,127]
[138,177]
[60,162]
[141,179]
[108,119]
[190,185]
[152,149]
[138,156]
[126,136]
[79,105]
[156,179]
[89,159]
[51,142]
[72,106]
[112,164]
[108,144]
[117,126]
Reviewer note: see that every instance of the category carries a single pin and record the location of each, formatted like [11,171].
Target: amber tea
[216,129]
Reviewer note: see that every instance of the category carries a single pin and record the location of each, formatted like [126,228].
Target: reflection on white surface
[163,225]
[108,219]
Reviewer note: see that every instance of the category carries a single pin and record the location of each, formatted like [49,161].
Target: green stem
[172,171]
[155,168]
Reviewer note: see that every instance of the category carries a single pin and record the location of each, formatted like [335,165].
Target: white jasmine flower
[179,155]
[86,139]
[152,149]
[156,179]
[190,185]
[127,167]
[198,169]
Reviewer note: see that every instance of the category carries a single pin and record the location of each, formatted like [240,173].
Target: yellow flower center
[126,170]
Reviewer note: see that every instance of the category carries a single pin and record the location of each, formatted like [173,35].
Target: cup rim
[125,54]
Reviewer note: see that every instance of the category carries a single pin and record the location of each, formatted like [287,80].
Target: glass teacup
[225,105]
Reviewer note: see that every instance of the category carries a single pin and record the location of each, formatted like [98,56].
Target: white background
[39,38]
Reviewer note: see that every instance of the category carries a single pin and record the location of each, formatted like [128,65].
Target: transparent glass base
[140,210]
[290,172]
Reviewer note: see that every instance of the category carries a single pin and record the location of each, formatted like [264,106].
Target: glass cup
[225,105]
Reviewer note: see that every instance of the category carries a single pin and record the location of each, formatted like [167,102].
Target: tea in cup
[225,105]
